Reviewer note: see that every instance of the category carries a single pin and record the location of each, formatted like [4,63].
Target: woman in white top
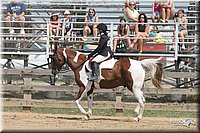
[131,14]
[90,28]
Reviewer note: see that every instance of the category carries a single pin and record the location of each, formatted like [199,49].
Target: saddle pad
[108,64]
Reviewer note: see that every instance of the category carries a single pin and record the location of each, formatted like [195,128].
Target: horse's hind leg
[137,109]
[90,102]
[140,107]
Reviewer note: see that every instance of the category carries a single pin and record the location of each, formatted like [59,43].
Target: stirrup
[93,78]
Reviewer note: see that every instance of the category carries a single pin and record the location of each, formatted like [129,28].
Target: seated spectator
[54,25]
[123,31]
[15,12]
[156,6]
[90,28]
[182,27]
[131,14]
[67,26]
[141,31]
[167,10]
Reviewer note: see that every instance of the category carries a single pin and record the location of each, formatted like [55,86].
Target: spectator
[156,6]
[54,25]
[167,10]
[131,14]
[141,30]
[90,28]
[123,31]
[182,27]
[67,26]
[15,12]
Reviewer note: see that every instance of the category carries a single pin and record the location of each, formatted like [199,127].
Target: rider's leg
[94,70]
[97,59]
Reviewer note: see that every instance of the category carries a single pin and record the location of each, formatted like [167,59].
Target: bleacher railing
[112,27]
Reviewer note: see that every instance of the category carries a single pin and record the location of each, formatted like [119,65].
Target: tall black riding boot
[94,75]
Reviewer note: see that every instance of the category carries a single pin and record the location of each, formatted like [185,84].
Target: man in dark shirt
[102,52]
[15,12]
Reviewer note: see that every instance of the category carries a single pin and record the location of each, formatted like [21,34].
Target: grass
[107,112]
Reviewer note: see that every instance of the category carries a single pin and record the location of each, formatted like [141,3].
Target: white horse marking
[76,57]
[64,53]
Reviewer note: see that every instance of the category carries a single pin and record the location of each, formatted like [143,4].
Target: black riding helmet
[102,26]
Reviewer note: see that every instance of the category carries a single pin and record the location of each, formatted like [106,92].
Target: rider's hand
[89,56]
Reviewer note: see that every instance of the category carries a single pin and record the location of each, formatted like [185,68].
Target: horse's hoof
[88,116]
[85,117]
[136,119]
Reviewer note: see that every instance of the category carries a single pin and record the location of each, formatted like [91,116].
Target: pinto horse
[113,73]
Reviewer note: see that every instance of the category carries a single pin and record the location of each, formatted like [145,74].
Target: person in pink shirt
[156,6]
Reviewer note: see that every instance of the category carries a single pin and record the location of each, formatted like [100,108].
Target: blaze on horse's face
[58,61]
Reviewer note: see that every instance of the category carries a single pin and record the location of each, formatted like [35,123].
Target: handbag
[121,47]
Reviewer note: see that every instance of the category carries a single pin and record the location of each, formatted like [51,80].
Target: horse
[113,73]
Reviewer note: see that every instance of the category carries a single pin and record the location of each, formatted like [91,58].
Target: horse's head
[58,60]
[65,55]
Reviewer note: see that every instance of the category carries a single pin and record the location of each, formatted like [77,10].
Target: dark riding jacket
[103,47]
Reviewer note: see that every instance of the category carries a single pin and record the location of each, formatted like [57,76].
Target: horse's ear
[56,47]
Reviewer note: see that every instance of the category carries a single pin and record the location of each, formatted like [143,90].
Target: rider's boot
[94,75]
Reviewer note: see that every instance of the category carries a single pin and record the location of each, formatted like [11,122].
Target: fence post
[118,104]
[27,90]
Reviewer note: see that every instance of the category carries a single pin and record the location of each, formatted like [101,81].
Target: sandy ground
[49,122]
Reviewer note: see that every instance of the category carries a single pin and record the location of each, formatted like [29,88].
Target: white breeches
[100,58]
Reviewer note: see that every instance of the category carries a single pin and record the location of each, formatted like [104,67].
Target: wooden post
[177,62]
[27,90]
[118,104]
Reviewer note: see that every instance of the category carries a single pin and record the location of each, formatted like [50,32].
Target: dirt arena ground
[59,122]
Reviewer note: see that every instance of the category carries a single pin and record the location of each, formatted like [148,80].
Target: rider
[102,52]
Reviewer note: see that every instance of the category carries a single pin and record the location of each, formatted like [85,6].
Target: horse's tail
[156,69]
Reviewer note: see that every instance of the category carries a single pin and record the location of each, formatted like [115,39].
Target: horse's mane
[82,56]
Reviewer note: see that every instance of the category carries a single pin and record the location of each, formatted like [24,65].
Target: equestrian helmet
[102,26]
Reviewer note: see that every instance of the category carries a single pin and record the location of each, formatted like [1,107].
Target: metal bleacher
[36,40]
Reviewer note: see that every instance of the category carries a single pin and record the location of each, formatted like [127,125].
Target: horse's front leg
[82,92]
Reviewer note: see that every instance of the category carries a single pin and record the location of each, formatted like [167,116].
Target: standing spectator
[54,25]
[123,31]
[15,12]
[141,30]
[131,14]
[67,26]
[167,9]
[182,27]
[156,6]
[90,28]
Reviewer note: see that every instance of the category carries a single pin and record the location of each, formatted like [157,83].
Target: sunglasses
[91,12]
[132,4]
